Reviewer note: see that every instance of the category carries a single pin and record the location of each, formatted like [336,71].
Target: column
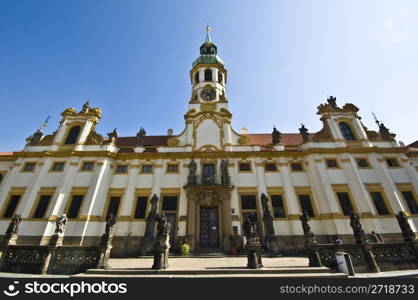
[96,196]
[62,194]
[291,199]
[33,189]
[391,190]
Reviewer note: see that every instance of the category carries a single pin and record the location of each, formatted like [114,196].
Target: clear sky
[132,59]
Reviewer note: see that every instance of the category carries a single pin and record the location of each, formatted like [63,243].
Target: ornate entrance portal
[209,227]
[209,223]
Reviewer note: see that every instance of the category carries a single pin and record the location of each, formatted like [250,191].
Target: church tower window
[72,135]
[208,75]
[220,78]
[196,78]
[346,131]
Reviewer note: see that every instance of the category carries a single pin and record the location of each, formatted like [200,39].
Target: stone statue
[276,135]
[265,205]
[149,236]
[163,226]
[224,172]
[60,224]
[332,101]
[407,232]
[153,211]
[14,225]
[162,244]
[113,136]
[304,132]
[140,137]
[304,218]
[253,245]
[86,107]
[110,223]
[269,238]
[34,138]
[192,168]
[384,132]
[359,234]
[250,225]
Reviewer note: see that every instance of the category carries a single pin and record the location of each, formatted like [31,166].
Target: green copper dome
[208,52]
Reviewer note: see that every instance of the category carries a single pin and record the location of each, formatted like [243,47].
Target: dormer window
[208,75]
[72,135]
[196,78]
[220,78]
[346,131]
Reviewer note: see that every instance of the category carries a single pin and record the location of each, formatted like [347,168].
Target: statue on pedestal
[13,227]
[140,137]
[110,223]
[60,224]
[359,234]
[253,245]
[162,244]
[276,136]
[224,172]
[304,132]
[407,232]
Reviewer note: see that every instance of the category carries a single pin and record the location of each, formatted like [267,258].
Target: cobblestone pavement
[196,263]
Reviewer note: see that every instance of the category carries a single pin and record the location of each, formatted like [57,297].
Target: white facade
[321,169]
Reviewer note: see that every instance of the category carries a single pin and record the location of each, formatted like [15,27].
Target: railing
[208,180]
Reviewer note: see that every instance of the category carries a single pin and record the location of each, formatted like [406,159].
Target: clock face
[208,94]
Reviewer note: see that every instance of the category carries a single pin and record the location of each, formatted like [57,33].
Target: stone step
[214,271]
[174,276]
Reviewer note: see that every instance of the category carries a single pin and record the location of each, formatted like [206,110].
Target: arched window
[196,77]
[346,131]
[72,135]
[220,78]
[208,75]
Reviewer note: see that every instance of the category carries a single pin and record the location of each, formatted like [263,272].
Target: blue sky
[132,59]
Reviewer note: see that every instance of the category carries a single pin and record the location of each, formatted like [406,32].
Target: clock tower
[208,120]
[208,77]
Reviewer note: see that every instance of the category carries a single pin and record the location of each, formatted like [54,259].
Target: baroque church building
[209,177]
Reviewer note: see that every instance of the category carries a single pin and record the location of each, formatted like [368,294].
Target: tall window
[75,206]
[11,206]
[278,207]
[410,201]
[42,206]
[306,204]
[141,207]
[208,75]
[196,77]
[345,203]
[1,178]
[113,206]
[379,203]
[248,202]
[220,78]
[72,135]
[346,131]
[169,203]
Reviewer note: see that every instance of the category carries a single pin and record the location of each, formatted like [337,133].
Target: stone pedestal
[161,248]
[104,254]
[254,252]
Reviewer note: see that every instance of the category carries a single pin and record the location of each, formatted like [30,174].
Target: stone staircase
[312,272]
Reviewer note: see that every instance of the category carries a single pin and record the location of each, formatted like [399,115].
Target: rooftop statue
[276,135]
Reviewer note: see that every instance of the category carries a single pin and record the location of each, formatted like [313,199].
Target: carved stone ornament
[94,138]
[173,142]
[47,140]
[329,107]
[324,135]
[243,140]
